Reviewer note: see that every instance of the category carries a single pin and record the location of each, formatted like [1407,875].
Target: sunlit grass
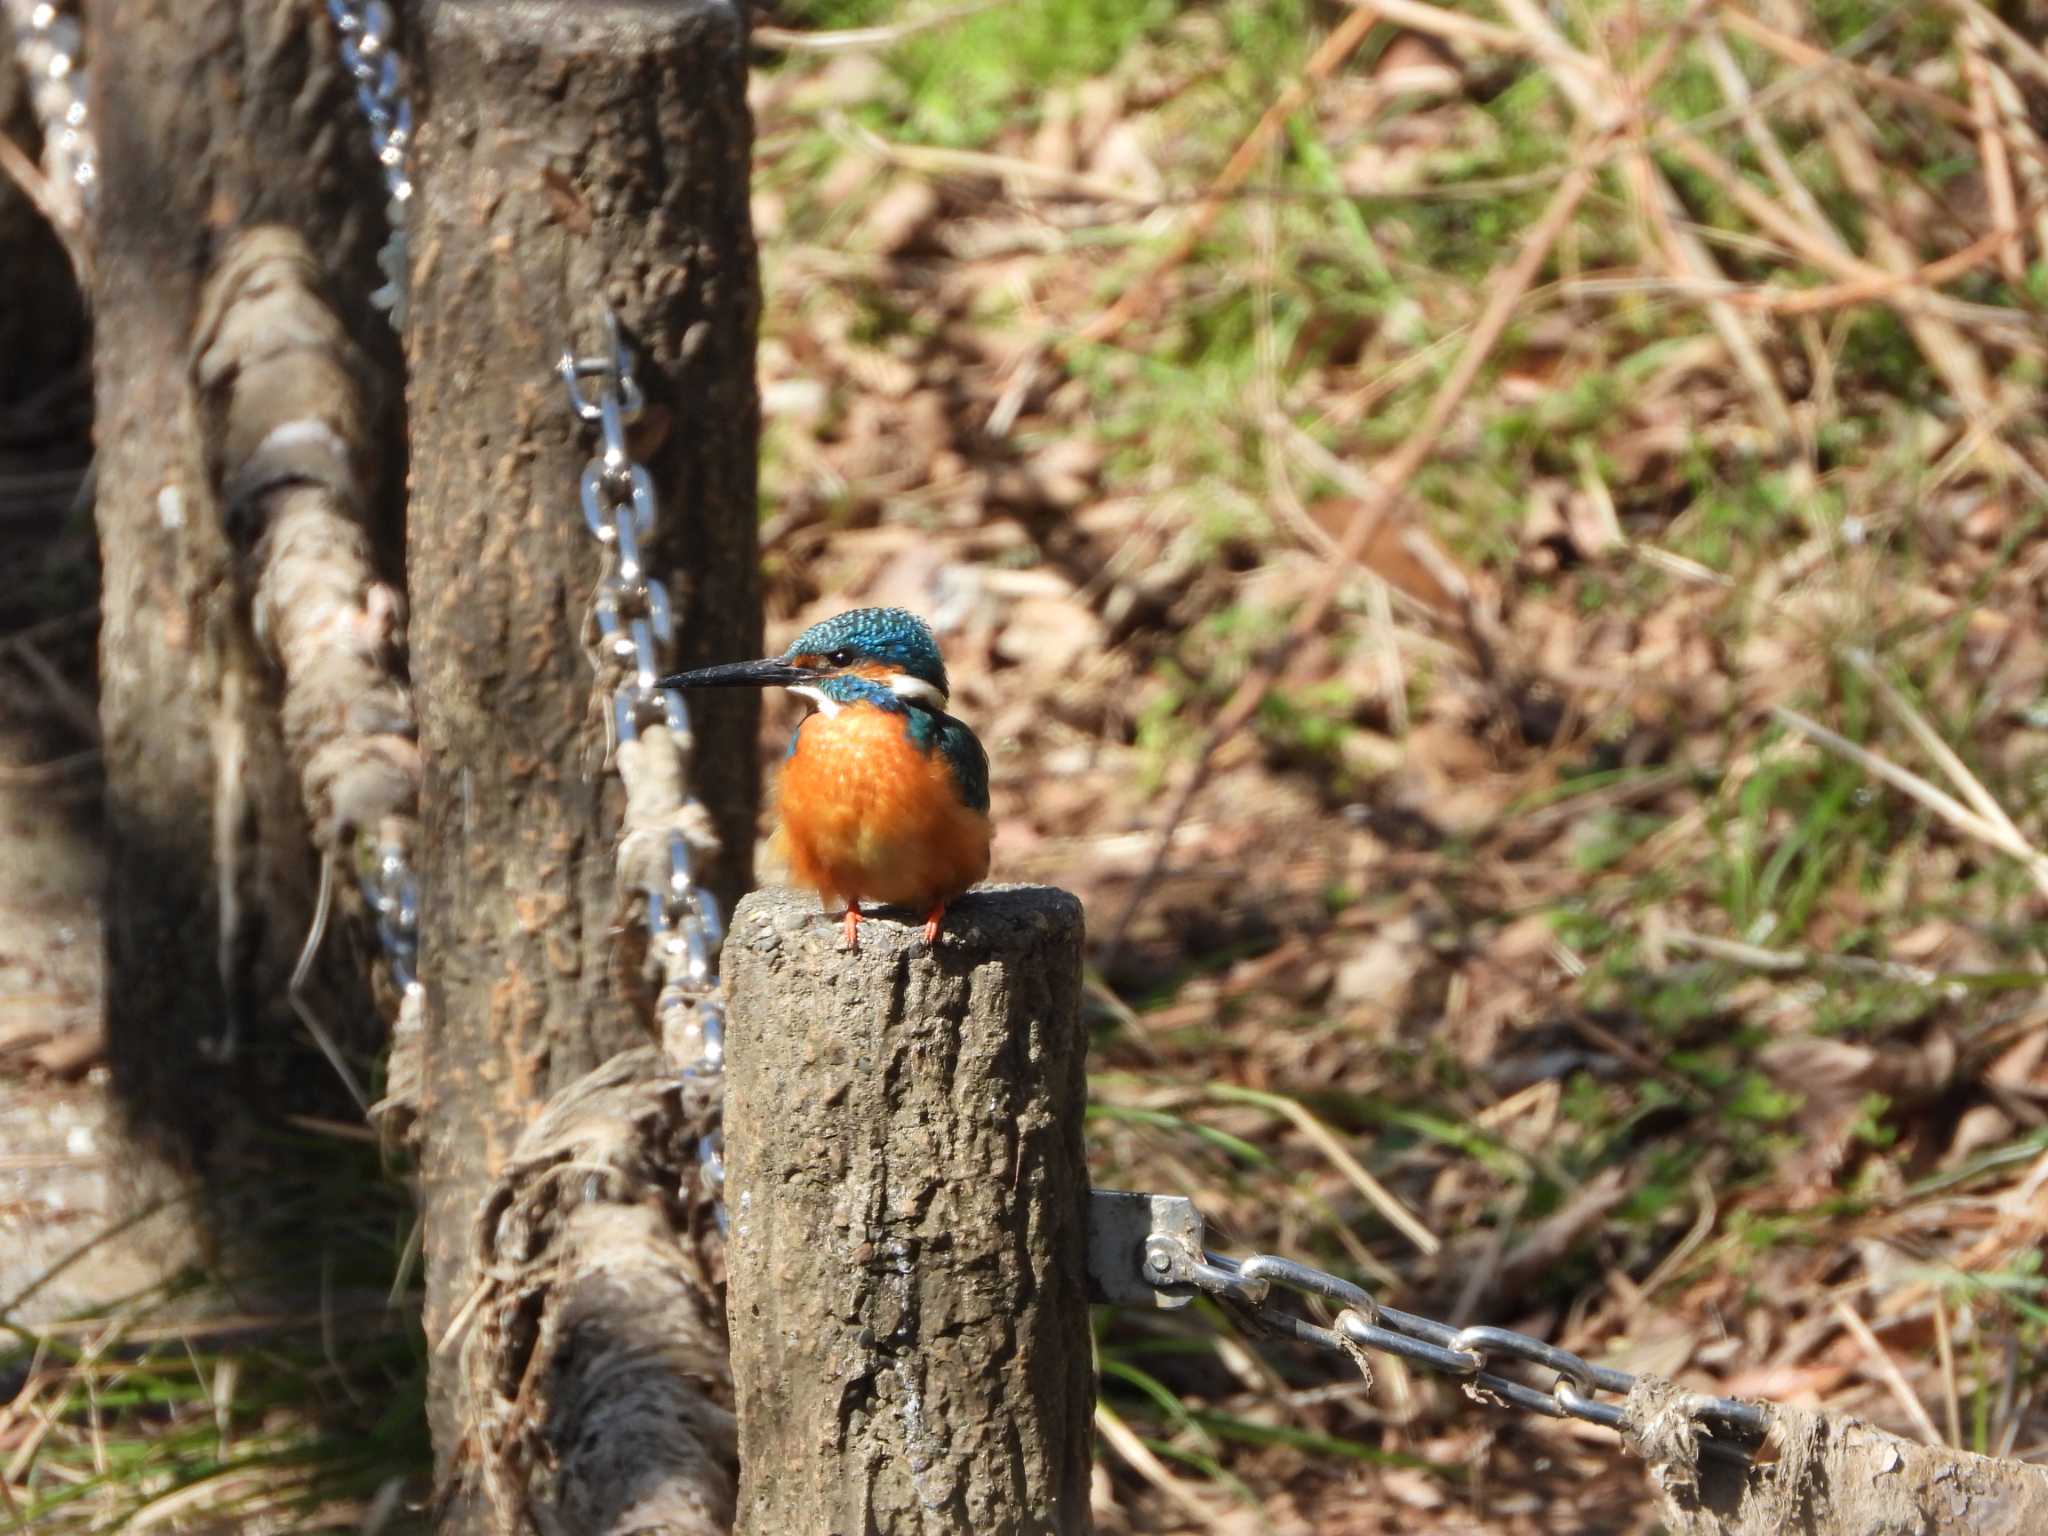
[280,1387]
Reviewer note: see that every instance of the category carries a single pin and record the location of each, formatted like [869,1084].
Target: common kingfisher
[884,796]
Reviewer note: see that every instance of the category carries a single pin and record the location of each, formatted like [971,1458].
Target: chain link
[1360,1323]
[368,30]
[633,614]
[369,52]
[634,623]
[392,892]
[48,43]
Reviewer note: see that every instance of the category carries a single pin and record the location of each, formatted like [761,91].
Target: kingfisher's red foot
[932,919]
[851,940]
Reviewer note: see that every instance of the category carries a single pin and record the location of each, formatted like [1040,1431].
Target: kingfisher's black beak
[775,671]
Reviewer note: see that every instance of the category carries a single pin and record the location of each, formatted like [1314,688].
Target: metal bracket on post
[1137,1243]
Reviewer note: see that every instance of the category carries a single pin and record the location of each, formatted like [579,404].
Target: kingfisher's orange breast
[868,816]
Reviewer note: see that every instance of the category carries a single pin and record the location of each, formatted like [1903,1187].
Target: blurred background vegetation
[1565,487]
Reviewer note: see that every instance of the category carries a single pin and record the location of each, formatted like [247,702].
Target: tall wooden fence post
[907,1197]
[213,116]
[573,155]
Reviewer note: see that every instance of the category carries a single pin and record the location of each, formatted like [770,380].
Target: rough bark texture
[211,115]
[280,391]
[1823,1474]
[279,385]
[904,1167]
[596,1375]
[571,154]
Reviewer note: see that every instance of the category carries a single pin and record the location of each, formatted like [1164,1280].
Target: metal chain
[634,623]
[1172,1264]
[392,892]
[48,43]
[369,52]
[632,611]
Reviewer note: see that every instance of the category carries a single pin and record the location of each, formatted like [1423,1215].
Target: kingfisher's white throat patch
[902,684]
[826,706]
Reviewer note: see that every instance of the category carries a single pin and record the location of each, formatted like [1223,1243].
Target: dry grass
[1500,549]
[1512,550]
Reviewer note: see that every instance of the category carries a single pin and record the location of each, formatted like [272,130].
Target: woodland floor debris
[1443,887]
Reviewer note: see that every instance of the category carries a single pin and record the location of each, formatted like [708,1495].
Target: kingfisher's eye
[841,658]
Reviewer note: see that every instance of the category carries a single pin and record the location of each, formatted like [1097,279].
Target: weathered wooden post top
[907,1193]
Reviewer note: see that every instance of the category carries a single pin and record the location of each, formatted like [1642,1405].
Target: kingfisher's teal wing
[931,731]
[968,761]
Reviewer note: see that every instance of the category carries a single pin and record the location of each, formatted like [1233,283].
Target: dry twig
[864,39]
[1579,87]
[1888,1371]
[1735,86]
[1943,804]
[1381,1198]
[28,176]
[1807,301]
[1931,742]
[1806,56]
[1795,961]
[1998,183]
[2026,54]
[1137,295]
[1390,479]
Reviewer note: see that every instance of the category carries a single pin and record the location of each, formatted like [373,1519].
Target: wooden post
[907,1197]
[1825,1474]
[212,116]
[573,154]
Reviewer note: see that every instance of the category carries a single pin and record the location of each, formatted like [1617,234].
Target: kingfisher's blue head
[882,644]
[863,654]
